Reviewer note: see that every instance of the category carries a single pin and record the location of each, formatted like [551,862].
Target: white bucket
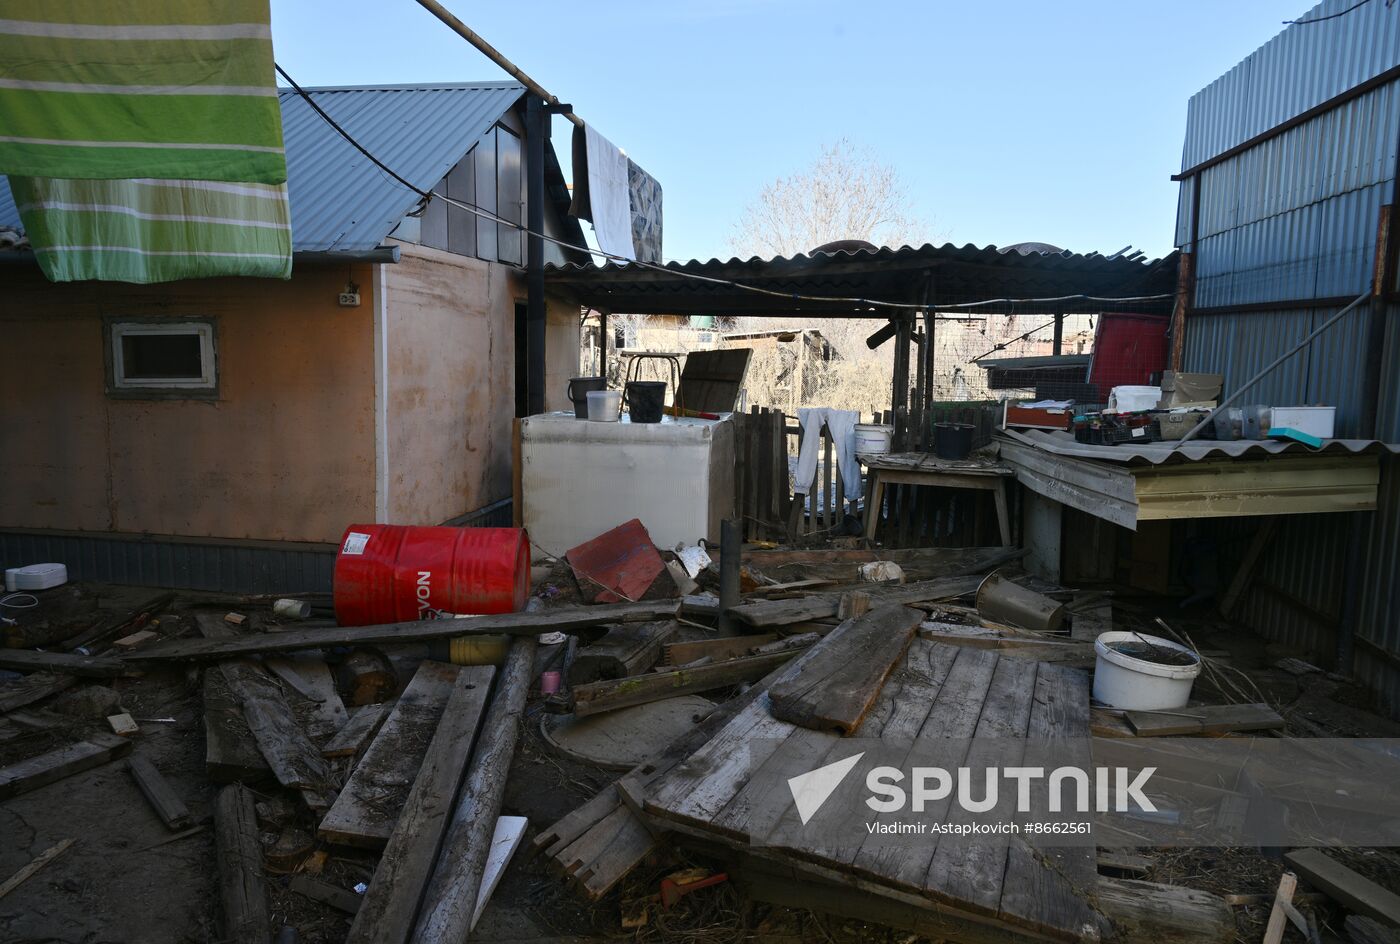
[604,405]
[1124,681]
[873,439]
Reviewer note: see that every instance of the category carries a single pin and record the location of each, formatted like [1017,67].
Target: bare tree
[847,193]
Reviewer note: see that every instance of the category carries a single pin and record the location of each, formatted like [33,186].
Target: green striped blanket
[155,230]
[139,88]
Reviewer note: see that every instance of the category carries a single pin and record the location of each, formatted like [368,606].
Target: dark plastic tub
[952,440]
[645,400]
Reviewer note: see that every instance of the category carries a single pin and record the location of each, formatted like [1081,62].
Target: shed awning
[935,276]
[1129,483]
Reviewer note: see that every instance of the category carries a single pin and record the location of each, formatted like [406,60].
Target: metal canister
[1003,601]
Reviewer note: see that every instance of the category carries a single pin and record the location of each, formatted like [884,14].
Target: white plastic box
[1319,421]
[579,479]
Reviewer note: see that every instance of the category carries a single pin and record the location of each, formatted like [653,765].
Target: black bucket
[645,400]
[952,440]
[578,392]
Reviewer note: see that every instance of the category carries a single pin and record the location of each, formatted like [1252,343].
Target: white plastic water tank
[579,479]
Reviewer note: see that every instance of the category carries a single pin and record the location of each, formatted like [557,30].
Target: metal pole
[490,52]
[1191,434]
[1059,333]
[537,121]
[731,544]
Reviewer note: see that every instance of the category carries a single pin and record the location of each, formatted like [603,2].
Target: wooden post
[730,547]
[241,887]
[450,902]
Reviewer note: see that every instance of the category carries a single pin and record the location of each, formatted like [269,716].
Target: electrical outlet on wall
[349,299]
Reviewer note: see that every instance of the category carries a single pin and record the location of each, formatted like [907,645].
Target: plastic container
[646,400]
[873,439]
[578,390]
[291,609]
[1131,399]
[604,406]
[389,573]
[1319,421]
[952,440]
[1127,681]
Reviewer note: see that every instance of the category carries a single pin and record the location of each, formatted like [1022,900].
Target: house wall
[449,341]
[285,452]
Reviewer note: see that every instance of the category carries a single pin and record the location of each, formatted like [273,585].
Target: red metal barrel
[388,573]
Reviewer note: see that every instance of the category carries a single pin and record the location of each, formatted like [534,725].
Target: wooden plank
[837,686]
[1362,930]
[524,624]
[729,647]
[158,792]
[32,688]
[1150,913]
[28,660]
[450,901]
[624,650]
[230,753]
[389,906]
[364,813]
[822,605]
[35,772]
[26,871]
[341,899]
[1355,892]
[1049,884]
[1278,915]
[1239,583]
[1204,719]
[241,887]
[293,759]
[357,732]
[643,689]
[314,682]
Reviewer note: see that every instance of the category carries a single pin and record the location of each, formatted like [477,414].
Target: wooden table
[917,468]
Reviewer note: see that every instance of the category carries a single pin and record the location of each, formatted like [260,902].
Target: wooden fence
[911,516]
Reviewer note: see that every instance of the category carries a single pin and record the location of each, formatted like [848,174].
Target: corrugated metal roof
[340,202]
[1301,67]
[1169,453]
[959,274]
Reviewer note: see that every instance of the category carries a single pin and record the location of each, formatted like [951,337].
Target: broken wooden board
[157,790]
[629,649]
[836,687]
[1204,719]
[1354,892]
[368,806]
[939,696]
[34,865]
[28,660]
[1151,913]
[314,683]
[521,624]
[35,772]
[32,688]
[341,899]
[292,758]
[844,564]
[654,686]
[230,753]
[725,647]
[389,907]
[357,732]
[822,605]
[242,890]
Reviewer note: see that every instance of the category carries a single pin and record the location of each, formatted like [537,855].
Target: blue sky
[1010,121]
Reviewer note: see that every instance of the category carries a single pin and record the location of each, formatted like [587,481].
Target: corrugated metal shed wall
[1295,218]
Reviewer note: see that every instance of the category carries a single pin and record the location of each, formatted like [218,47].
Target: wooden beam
[822,605]
[34,865]
[32,688]
[1355,892]
[1263,536]
[35,772]
[846,671]
[521,624]
[341,899]
[449,907]
[1205,719]
[643,689]
[27,660]
[158,792]
[624,650]
[358,731]
[1150,913]
[241,887]
[387,912]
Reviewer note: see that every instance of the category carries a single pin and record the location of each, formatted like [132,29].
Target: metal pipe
[1190,435]
[492,53]
[537,135]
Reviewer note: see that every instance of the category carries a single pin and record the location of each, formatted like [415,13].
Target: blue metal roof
[340,202]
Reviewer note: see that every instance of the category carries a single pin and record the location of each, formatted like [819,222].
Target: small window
[163,356]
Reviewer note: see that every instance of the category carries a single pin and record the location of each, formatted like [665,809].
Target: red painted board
[617,565]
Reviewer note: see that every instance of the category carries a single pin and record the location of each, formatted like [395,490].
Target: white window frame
[208,379]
